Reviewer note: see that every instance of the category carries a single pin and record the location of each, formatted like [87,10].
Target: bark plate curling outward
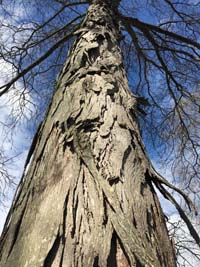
[86,199]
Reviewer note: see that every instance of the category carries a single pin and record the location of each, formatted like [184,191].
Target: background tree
[164,70]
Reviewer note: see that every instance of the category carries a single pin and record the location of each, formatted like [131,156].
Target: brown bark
[87,197]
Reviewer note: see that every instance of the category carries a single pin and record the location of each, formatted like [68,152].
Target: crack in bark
[52,252]
[17,227]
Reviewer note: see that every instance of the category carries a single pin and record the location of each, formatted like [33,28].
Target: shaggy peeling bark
[87,198]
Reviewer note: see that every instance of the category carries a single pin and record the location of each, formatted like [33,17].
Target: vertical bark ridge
[87,199]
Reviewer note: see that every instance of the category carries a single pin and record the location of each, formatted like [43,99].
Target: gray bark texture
[86,199]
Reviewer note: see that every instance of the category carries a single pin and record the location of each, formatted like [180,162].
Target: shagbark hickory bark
[87,197]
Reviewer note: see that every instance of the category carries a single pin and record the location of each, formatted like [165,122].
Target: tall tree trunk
[87,198]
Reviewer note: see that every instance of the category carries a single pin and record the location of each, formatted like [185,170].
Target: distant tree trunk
[87,198]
